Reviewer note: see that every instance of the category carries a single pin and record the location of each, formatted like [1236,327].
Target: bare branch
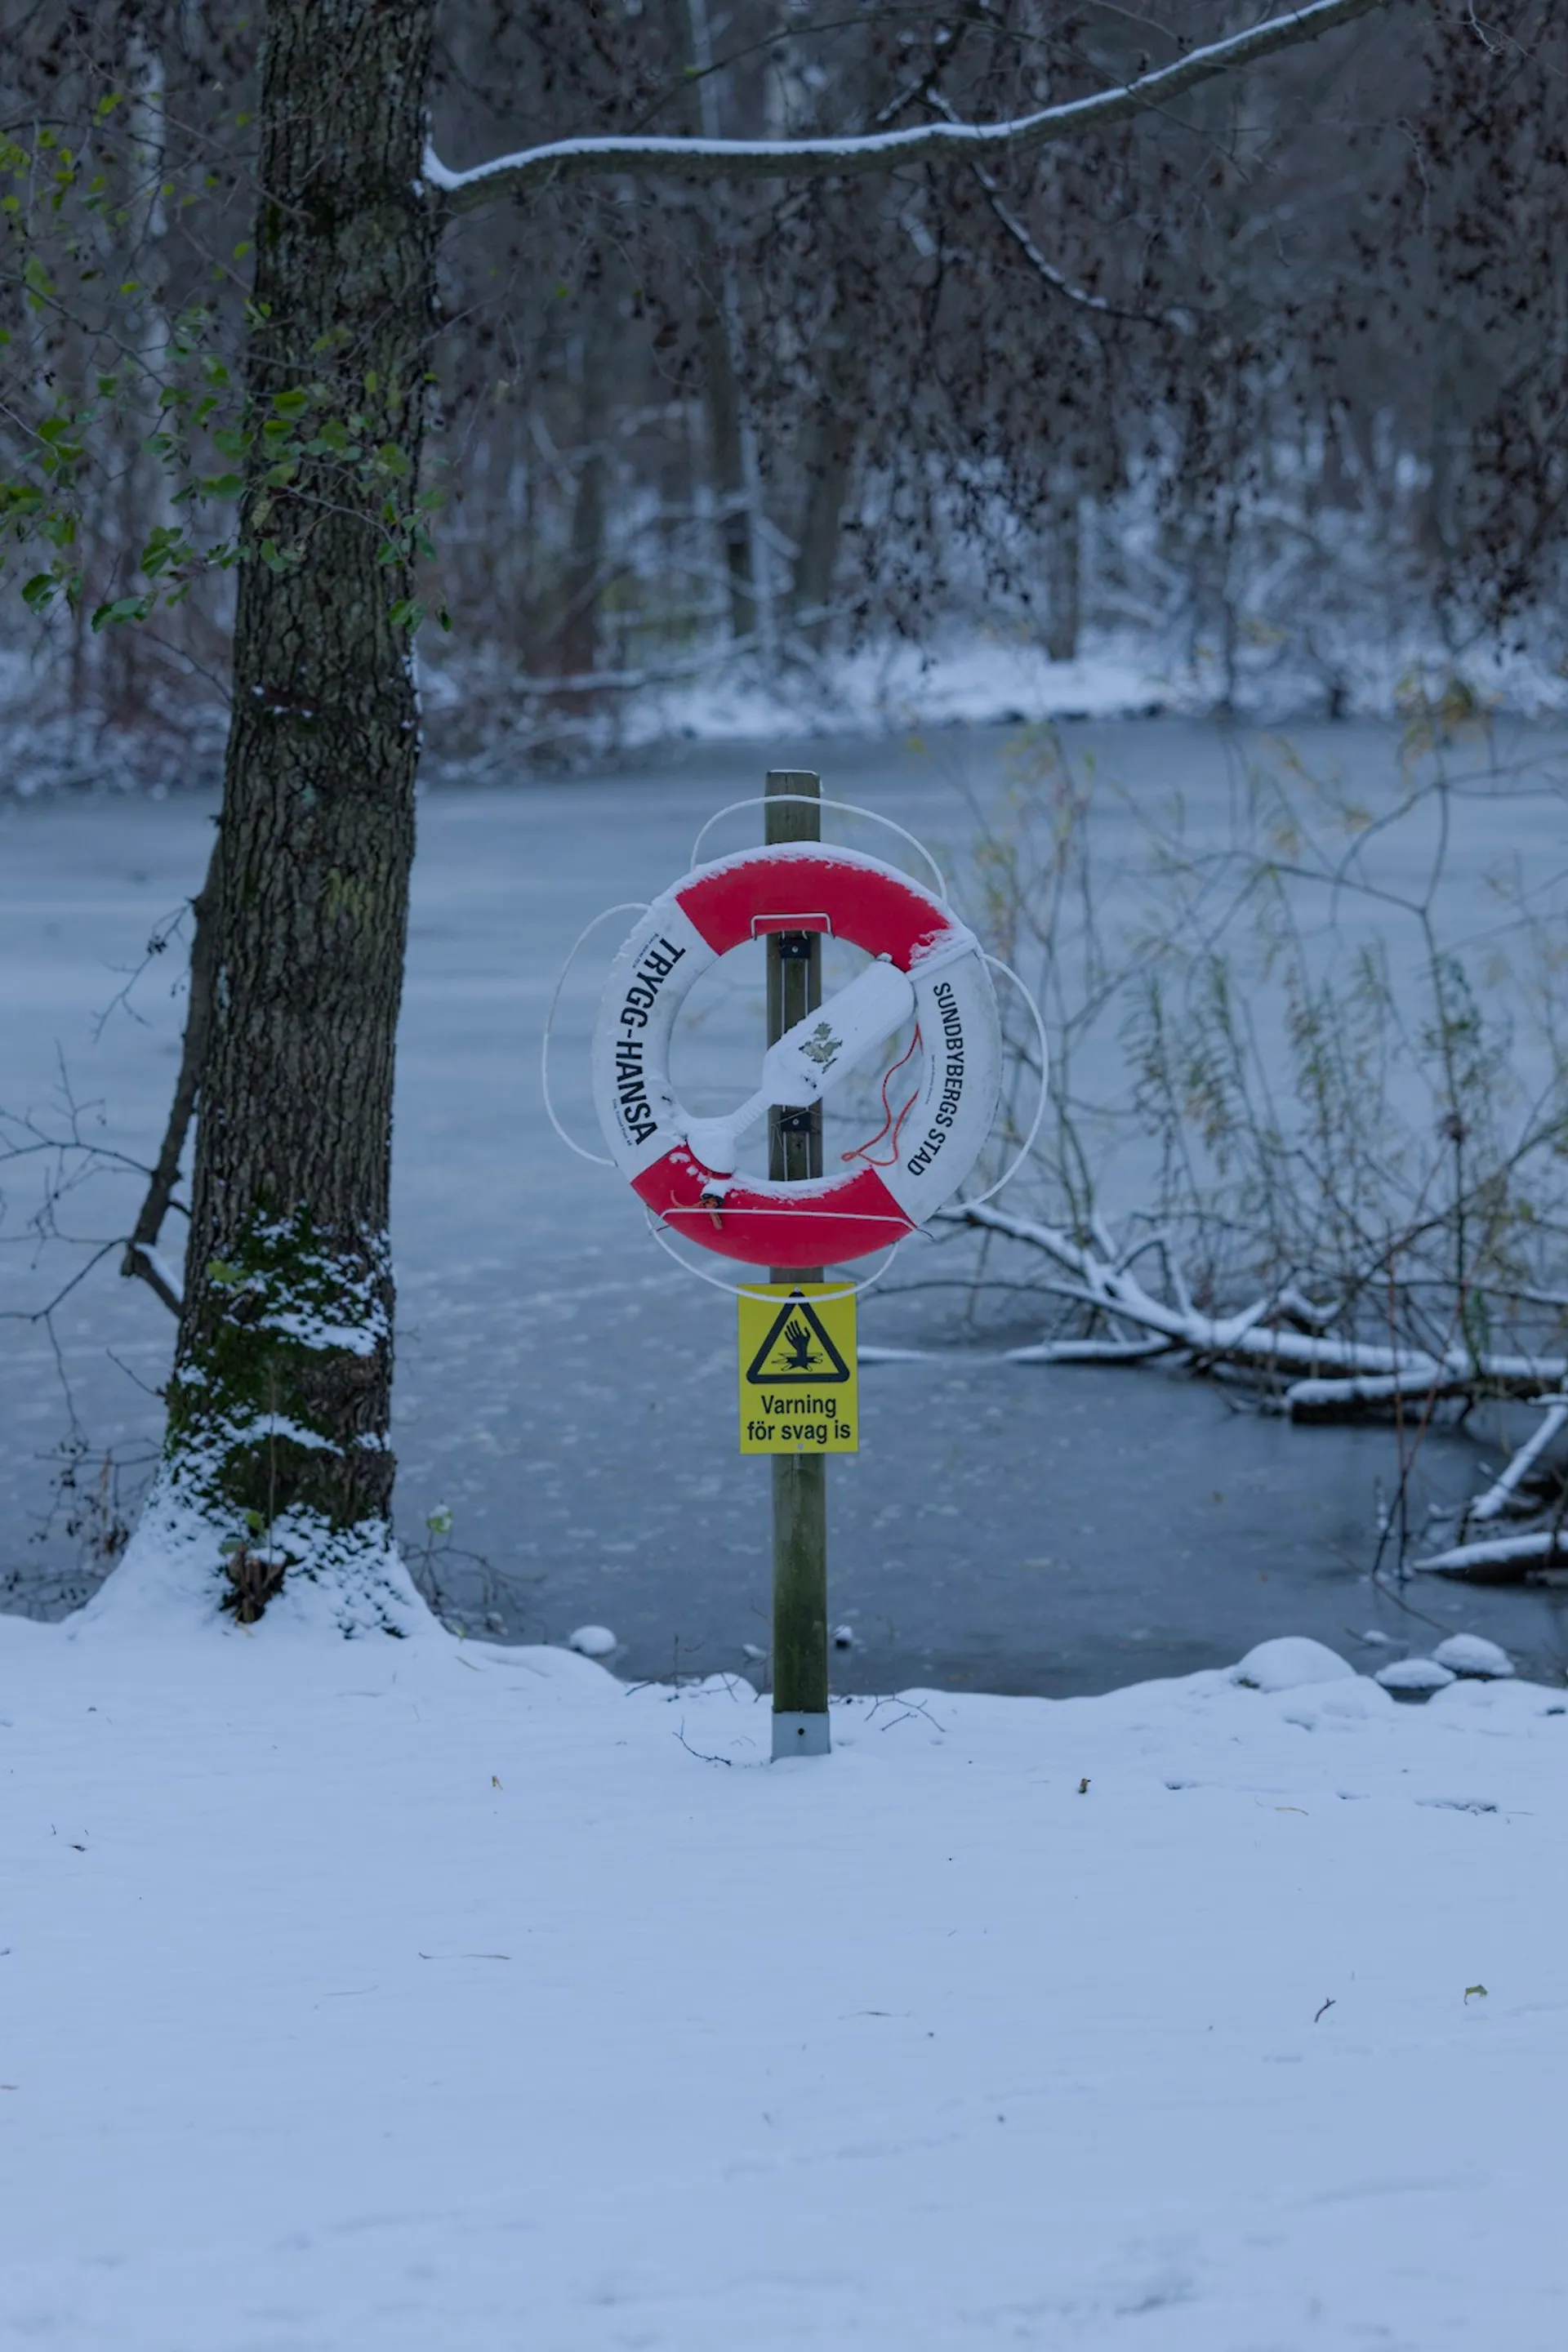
[1004,213]
[140,1257]
[883,151]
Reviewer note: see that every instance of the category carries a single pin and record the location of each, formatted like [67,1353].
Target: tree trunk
[277,1458]
[726,445]
[835,436]
[718,298]
[575,651]
[1063,573]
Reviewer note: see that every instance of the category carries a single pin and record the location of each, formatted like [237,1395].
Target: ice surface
[569,1394]
[415,1995]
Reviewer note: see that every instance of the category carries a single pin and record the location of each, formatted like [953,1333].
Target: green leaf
[393,461]
[167,547]
[123,609]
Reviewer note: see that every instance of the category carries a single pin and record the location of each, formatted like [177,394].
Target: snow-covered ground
[483,727]
[978,677]
[428,1998]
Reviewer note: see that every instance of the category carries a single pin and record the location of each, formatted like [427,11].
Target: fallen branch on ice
[1044,1351]
[1335,1375]
[1501,1559]
[1503,1495]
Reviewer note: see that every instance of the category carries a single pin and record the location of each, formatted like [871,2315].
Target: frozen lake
[569,1394]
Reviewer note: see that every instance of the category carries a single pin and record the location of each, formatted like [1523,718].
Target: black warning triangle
[797,1347]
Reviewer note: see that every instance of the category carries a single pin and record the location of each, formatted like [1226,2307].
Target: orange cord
[864,1151]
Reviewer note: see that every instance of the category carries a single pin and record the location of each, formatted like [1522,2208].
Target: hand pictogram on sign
[797,1347]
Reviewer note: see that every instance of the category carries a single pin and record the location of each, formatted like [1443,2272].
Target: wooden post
[800,1480]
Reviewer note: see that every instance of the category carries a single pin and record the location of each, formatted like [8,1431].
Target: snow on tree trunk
[277,1452]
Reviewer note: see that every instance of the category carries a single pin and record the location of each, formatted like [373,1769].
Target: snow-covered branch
[1503,1493]
[1332,1374]
[1501,1559]
[883,151]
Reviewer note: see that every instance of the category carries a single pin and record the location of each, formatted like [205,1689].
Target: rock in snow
[1470,1653]
[1289,1662]
[1414,1678]
[592,1640]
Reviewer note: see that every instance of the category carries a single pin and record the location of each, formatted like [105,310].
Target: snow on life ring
[928,963]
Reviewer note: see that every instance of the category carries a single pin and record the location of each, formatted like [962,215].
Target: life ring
[925,957]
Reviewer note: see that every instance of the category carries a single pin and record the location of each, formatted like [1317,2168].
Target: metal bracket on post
[800,1734]
[799,1480]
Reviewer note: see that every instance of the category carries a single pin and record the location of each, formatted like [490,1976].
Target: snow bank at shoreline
[408,1994]
[485,723]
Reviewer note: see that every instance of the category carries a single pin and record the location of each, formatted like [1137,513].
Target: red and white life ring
[801,886]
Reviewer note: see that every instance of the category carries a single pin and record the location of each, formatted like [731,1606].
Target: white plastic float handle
[811,1057]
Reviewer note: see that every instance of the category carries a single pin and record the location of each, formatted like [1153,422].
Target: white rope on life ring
[926,962]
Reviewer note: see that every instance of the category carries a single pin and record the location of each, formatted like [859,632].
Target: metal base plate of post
[801,1734]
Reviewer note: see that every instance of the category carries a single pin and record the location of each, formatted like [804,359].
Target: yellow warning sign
[800,1389]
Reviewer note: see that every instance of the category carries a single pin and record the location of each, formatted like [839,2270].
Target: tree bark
[279,1401]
